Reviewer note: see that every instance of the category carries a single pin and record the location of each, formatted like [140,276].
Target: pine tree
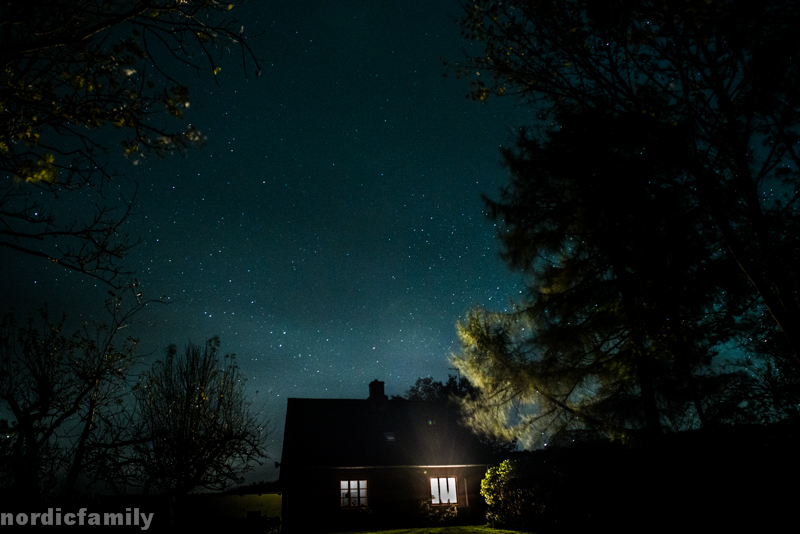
[722,73]
[628,296]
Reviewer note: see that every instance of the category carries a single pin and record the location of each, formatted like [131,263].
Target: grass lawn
[468,529]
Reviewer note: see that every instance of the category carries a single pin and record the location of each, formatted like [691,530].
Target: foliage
[628,299]
[689,481]
[436,515]
[76,79]
[428,389]
[64,392]
[272,525]
[200,428]
[557,489]
[722,73]
[506,497]
[652,229]
[457,392]
[69,395]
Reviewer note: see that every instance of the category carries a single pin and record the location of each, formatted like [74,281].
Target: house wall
[312,497]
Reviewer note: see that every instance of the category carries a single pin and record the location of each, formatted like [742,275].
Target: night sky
[331,231]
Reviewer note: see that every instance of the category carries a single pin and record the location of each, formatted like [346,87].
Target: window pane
[345,492]
[353,493]
[448,486]
[435,490]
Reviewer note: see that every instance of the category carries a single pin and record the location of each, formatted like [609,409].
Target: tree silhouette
[201,431]
[723,73]
[428,389]
[63,391]
[628,300]
[82,82]
[458,392]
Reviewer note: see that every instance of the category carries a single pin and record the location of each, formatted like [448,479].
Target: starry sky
[331,231]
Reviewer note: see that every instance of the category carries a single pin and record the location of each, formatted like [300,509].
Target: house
[358,462]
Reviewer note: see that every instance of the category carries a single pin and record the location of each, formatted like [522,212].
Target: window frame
[439,496]
[361,501]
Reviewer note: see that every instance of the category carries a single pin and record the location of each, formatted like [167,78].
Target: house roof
[376,432]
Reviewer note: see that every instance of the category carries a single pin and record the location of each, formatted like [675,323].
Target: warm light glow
[443,490]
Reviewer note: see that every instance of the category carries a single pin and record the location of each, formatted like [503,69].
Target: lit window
[353,493]
[443,490]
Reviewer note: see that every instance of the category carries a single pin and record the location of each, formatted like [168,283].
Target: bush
[437,515]
[557,488]
[720,479]
[516,499]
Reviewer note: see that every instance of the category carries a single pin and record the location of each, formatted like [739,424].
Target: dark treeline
[83,85]
[653,212]
[732,479]
[85,420]
[655,354]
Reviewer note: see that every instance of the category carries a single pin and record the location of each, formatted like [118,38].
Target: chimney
[376,391]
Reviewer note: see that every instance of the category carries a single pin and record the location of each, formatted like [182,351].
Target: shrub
[437,515]
[514,499]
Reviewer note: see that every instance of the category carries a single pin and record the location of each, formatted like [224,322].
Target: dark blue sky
[331,231]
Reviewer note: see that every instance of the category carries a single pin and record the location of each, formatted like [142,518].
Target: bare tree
[201,428]
[60,388]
